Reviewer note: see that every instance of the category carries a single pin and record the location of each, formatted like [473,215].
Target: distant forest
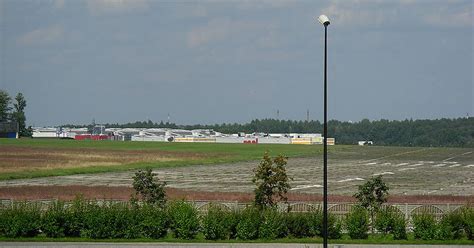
[441,132]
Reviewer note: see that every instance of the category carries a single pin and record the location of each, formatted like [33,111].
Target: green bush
[399,229]
[273,225]
[153,222]
[249,224]
[111,220]
[316,225]
[299,225]
[20,219]
[214,223]
[467,215]
[424,226]
[357,223]
[53,221]
[74,217]
[184,220]
[96,222]
[125,221]
[233,219]
[389,220]
[451,226]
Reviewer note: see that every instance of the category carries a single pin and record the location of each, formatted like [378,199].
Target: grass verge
[373,239]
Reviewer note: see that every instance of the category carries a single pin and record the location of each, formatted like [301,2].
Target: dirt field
[123,193]
[408,172]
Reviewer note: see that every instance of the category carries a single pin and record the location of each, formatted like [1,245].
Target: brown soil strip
[123,193]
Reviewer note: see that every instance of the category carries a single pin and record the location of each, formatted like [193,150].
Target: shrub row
[91,219]
[451,226]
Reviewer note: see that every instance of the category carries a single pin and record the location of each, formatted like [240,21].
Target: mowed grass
[29,158]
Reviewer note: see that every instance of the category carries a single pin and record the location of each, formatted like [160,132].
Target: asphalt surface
[204,245]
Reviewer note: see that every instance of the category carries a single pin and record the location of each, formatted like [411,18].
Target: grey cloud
[220,29]
[42,36]
[410,12]
[103,7]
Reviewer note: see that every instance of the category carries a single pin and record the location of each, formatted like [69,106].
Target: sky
[206,62]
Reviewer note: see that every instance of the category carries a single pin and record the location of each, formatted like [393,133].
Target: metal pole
[325,177]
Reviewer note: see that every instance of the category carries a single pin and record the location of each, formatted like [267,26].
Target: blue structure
[9,130]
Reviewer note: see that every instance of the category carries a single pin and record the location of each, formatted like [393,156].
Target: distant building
[9,130]
[365,143]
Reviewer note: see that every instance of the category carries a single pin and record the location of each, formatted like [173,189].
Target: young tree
[372,195]
[18,114]
[271,181]
[151,191]
[4,105]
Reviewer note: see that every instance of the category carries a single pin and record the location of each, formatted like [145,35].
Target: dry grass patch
[16,159]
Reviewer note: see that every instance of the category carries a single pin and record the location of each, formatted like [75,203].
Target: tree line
[457,132]
[14,113]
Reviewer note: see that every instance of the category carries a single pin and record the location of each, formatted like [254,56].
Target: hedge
[105,220]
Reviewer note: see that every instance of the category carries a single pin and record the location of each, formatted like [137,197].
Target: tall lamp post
[325,21]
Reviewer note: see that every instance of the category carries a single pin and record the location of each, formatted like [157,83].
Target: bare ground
[418,174]
[123,193]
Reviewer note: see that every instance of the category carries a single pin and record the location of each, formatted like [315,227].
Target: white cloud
[42,36]
[100,7]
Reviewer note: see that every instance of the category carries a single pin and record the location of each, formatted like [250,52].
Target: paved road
[213,245]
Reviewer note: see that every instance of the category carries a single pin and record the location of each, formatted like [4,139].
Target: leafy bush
[151,190]
[371,195]
[153,222]
[214,223]
[357,222]
[299,225]
[20,220]
[467,215]
[424,226]
[54,220]
[271,181]
[233,219]
[184,220]
[316,225]
[451,226]
[273,225]
[399,229]
[389,220]
[111,220]
[74,217]
[249,224]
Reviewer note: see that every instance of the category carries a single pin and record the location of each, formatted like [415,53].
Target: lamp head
[323,20]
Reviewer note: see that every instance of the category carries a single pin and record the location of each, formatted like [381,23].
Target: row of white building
[178,135]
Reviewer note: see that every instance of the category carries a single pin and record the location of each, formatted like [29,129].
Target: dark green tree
[5,108]
[148,188]
[271,181]
[18,114]
[372,195]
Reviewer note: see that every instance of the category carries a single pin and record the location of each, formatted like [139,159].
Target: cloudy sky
[234,61]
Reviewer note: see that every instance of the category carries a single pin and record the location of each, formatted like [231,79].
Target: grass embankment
[30,158]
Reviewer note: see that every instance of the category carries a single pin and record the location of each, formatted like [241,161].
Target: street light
[325,21]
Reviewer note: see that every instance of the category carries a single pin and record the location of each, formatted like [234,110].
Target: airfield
[409,171]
